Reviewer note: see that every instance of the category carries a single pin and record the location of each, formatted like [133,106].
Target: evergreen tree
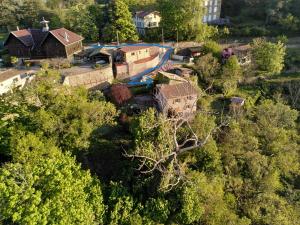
[120,23]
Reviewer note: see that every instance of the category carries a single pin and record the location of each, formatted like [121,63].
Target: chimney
[45,25]
[66,37]
[18,28]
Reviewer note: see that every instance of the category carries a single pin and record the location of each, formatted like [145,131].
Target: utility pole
[162,36]
[177,37]
[118,42]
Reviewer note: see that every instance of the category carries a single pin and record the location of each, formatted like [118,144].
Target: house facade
[43,43]
[14,78]
[144,20]
[177,99]
[212,11]
[132,60]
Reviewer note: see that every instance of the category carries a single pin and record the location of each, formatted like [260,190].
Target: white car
[101,62]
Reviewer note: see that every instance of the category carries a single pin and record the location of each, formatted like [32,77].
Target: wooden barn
[42,43]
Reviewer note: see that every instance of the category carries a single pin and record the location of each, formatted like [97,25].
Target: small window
[132,53]
[15,80]
[177,100]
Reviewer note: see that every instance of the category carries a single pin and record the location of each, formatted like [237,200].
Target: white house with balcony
[144,20]
[14,78]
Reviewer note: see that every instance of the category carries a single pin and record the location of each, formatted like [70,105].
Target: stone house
[144,20]
[175,99]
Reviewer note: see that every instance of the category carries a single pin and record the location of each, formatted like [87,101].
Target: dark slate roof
[177,90]
[237,100]
[38,36]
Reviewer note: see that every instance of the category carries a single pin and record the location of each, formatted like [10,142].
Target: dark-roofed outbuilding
[38,43]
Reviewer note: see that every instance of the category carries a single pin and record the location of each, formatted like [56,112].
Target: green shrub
[212,47]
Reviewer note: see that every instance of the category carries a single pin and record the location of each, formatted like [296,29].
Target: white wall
[15,81]
[150,21]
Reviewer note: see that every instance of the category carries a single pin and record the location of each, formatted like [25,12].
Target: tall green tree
[120,23]
[9,16]
[63,114]
[80,20]
[184,18]
[29,12]
[268,56]
[49,190]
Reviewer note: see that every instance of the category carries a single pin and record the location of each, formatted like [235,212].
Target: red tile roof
[61,33]
[133,48]
[24,36]
[177,90]
[35,37]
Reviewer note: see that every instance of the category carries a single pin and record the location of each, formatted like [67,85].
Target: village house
[144,20]
[188,54]
[132,60]
[43,43]
[14,78]
[178,97]
[242,52]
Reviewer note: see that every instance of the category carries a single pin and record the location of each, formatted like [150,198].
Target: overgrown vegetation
[226,166]
[69,156]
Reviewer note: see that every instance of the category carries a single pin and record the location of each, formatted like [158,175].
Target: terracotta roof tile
[24,36]
[133,48]
[177,90]
[60,34]
[35,37]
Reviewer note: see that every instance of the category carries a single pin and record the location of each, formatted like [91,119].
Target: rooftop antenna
[45,25]
[66,37]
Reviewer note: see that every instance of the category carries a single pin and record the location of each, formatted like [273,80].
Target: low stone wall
[90,79]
